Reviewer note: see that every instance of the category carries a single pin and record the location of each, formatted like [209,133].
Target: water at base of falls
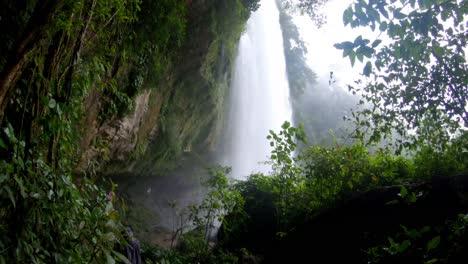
[259,98]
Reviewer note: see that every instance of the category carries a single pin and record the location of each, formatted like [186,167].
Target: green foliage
[188,124]
[295,50]
[452,161]
[418,77]
[306,180]
[186,254]
[49,214]
[153,255]
[309,7]
[154,40]
[220,200]
[424,245]
[46,218]
[205,217]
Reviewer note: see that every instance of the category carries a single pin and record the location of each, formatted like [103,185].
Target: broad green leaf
[21,186]
[347,16]
[433,243]
[367,69]
[345,45]
[52,103]
[383,26]
[437,51]
[398,15]
[376,43]
[382,10]
[109,258]
[360,56]
[373,14]
[2,144]
[403,246]
[10,195]
[121,257]
[352,57]
[403,192]
[392,202]
[358,41]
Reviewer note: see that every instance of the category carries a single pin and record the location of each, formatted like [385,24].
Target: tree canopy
[309,7]
[417,85]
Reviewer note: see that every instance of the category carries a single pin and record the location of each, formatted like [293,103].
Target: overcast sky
[322,56]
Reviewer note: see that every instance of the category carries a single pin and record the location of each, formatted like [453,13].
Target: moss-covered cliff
[117,86]
[183,110]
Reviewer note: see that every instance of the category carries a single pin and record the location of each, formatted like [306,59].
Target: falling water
[259,92]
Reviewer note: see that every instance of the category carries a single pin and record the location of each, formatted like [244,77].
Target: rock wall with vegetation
[85,85]
[186,107]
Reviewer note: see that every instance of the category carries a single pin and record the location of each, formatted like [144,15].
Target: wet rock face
[185,111]
[345,232]
[123,134]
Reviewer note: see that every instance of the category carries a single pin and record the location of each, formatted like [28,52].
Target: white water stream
[259,92]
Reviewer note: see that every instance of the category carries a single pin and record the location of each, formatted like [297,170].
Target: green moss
[141,219]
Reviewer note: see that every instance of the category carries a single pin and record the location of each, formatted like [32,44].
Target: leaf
[50,194]
[437,51]
[404,246]
[433,243]
[366,51]
[383,26]
[360,57]
[10,133]
[35,195]
[376,43]
[121,257]
[398,15]
[358,41]
[367,69]
[2,144]
[344,45]
[109,258]
[383,11]
[52,103]
[392,202]
[21,186]
[347,16]
[403,192]
[373,14]
[10,194]
[352,58]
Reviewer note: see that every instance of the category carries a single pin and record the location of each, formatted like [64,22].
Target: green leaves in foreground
[418,74]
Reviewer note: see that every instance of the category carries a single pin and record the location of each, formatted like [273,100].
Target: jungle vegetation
[66,64]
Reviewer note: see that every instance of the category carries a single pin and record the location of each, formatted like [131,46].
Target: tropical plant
[417,68]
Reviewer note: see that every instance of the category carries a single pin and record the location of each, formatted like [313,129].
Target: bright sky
[323,57]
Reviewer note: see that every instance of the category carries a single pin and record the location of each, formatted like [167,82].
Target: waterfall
[259,98]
